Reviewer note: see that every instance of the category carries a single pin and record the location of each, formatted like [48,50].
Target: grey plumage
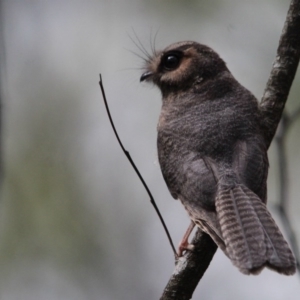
[213,156]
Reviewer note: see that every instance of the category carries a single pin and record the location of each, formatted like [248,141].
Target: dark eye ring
[171,61]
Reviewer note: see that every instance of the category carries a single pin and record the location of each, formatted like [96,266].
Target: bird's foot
[184,247]
[184,244]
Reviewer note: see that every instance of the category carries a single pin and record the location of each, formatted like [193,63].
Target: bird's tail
[251,237]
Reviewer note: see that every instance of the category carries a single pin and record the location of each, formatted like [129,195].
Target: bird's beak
[146,75]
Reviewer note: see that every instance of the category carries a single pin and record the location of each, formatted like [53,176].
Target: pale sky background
[75,221]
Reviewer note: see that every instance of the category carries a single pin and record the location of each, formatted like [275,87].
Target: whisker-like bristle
[137,54]
[139,45]
[154,43]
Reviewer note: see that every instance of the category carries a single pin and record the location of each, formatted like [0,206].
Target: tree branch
[190,268]
[193,265]
[282,207]
[282,74]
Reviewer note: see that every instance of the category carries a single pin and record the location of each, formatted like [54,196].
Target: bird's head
[182,66]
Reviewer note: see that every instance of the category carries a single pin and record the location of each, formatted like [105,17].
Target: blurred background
[75,222]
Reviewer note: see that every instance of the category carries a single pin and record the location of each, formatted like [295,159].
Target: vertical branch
[282,161]
[280,142]
[282,74]
[2,74]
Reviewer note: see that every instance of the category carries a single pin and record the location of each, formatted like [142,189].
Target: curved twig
[136,169]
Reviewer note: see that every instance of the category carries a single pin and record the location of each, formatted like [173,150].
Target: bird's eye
[171,61]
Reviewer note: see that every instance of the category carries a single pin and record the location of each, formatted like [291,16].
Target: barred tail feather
[251,237]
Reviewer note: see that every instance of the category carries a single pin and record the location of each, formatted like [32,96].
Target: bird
[213,156]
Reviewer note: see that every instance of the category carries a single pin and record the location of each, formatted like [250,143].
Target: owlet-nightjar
[213,156]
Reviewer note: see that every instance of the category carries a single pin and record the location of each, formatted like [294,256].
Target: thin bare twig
[136,169]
